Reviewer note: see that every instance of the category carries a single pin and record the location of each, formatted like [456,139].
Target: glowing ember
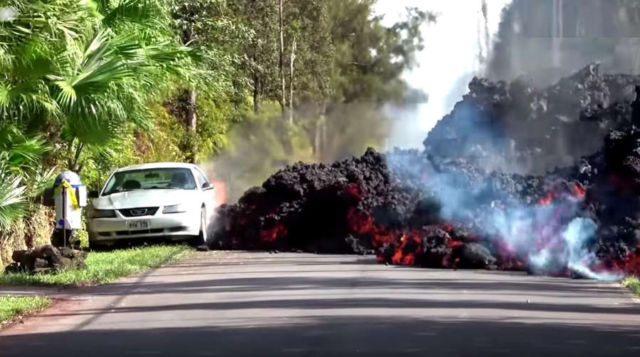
[546,200]
[270,235]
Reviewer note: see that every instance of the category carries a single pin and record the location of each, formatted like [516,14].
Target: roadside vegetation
[14,306]
[103,267]
[633,283]
[93,85]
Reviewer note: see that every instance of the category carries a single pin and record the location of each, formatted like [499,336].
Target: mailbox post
[70,196]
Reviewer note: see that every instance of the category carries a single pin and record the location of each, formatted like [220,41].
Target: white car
[172,200]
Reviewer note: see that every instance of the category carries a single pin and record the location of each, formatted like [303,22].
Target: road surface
[249,304]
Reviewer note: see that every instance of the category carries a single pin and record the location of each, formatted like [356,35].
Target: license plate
[138,225]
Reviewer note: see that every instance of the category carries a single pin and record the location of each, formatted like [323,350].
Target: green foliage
[164,144]
[103,267]
[12,306]
[29,45]
[83,234]
[11,199]
[633,283]
[23,153]
[20,169]
[121,151]
[346,64]
[82,73]
[90,74]
[109,83]
[257,44]
[369,57]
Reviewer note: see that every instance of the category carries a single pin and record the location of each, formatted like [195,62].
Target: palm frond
[11,195]
[141,12]
[41,180]
[96,119]
[67,94]
[11,202]
[19,153]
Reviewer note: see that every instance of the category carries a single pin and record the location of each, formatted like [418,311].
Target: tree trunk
[192,115]
[283,102]
[316,139]
[293,58]
[75,164]
[320,133]
[256,93]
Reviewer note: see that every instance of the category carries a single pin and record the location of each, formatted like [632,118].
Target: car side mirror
[94,194]
[207,186]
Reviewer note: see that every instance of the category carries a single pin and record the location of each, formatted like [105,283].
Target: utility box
[70,196]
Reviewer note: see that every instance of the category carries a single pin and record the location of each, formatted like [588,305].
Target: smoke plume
[547,40]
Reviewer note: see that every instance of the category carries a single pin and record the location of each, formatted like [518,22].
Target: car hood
[145,198]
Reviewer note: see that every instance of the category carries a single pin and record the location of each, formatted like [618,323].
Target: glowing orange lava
[546,200]
[270,235]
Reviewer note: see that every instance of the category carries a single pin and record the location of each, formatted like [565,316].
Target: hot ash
[443,207]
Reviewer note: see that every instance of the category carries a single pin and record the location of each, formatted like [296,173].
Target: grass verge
[633,284]
[12,306]
[103,267]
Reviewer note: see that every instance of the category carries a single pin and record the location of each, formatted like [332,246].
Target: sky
[449,61]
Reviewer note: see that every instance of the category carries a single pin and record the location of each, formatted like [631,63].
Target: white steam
[552,237]
[580,230]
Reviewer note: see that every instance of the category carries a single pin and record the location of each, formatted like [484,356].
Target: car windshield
[149,179]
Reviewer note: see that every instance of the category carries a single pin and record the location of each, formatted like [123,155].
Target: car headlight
[174,209]
[103,213]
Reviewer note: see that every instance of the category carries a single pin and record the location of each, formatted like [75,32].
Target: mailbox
[70,196]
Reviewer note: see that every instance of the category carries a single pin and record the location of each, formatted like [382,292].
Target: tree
[283,97]
[309,28]
[86,75]
[291,81]
[370,58]
[258,62]
[82,74]
[208,30]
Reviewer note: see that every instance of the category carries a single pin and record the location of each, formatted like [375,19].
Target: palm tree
[106,86]
[20,168]
[11,198]
[82,70]
[92,73]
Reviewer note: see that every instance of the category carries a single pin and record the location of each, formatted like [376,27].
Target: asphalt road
[249,304]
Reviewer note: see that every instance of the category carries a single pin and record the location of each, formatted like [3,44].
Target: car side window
[200,178]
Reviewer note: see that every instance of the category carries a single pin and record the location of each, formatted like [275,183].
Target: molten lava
[270,235]
[441,208]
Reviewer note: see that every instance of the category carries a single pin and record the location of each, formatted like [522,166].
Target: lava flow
[442,208]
